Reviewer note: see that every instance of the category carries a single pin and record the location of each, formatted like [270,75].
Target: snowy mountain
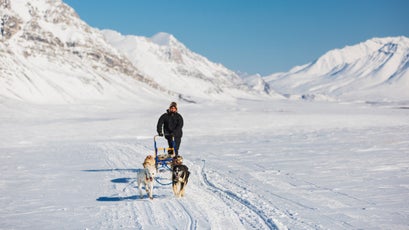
[257,82]
[177,68]
[48,54]
[375,70]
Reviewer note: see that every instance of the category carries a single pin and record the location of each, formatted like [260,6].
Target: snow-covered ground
[254,165]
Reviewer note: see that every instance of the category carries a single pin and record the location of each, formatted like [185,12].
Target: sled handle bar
[154,137]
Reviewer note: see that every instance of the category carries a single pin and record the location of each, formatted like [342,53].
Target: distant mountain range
[48,54]
[375,70]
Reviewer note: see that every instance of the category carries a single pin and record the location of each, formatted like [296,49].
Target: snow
[254,164]
[162,39]
[167,60]
[353,73]
[103,64]
[75,130]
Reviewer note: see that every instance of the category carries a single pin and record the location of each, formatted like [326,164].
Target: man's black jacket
[172,124]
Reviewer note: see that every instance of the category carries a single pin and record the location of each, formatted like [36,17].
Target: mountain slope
[179,69]
[375,70]
[48,54]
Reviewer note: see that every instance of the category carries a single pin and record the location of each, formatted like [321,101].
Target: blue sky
[253,36]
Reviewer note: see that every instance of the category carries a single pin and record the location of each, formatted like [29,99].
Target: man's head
[173,107]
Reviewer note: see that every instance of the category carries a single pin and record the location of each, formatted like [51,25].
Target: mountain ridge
[48,54]
[60,58]
[169,61]
[376,64]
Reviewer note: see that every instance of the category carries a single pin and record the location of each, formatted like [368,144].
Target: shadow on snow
[112,170]
[134,197]
[123,180]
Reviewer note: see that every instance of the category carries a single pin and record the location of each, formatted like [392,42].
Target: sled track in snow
[267,221]
[192,223]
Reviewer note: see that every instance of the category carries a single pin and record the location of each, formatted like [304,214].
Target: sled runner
[163,160]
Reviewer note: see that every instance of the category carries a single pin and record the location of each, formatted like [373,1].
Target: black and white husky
[146,177]
[180,176]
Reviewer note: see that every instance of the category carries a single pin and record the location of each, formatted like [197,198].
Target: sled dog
[149,161]
[145,177]
[180,176]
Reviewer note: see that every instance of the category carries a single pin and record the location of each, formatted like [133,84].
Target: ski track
[272,208]
[282,209]
[232,196]
[192,222]
[292,215]
[139,213]
[288,202]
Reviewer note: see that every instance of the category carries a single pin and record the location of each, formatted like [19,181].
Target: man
[171,122]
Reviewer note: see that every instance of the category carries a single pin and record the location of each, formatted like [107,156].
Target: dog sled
[164,156]
[165,168]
